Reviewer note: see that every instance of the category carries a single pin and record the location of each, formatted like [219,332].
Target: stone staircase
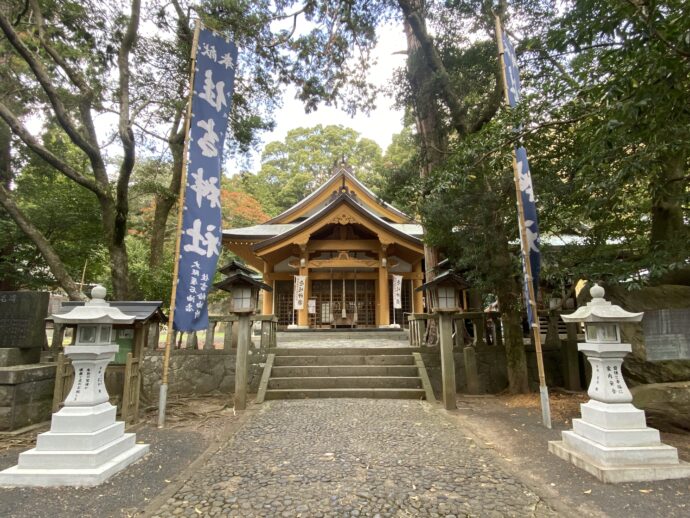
[320,372]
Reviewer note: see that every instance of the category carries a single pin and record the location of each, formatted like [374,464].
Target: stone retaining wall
[26,395]
[196,372]
[491,364]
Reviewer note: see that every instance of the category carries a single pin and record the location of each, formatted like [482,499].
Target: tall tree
[77,58]
[74,86]
[291,169]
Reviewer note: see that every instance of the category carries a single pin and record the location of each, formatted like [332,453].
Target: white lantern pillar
[85,445]
[611,440]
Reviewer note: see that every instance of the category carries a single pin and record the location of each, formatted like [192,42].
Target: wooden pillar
[417,296]
[267,304]
[241,362]
[447,360]
[303,314]
[383,316]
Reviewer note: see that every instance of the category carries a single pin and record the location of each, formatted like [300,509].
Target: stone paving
[352,457]
[343,339]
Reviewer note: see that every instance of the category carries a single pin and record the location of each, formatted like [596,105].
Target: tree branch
[74,74]
[458,112]
[20,130]
[44,247]
[125,123]
[46,83]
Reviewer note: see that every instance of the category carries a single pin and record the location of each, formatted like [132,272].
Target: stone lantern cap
[601,310]
[97,311]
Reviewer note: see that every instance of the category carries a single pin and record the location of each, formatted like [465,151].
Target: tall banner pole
[163,392]
[524,244]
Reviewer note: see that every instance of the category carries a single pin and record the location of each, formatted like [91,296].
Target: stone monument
[26,386]
[611,440]
[85,445]
[22,326]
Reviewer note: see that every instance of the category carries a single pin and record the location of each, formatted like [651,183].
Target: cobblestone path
[352,457]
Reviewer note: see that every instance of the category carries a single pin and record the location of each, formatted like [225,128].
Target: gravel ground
[129,490]
[516,435]
[352,457]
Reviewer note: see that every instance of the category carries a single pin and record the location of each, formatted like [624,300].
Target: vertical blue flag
[525,179]
[201,235]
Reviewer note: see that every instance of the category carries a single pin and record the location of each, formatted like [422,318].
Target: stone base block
[613,416]
[78,441]
[88,459]
[11,356]
[83,419]
[617,474]
[613,438]
[54,477]
[620,455]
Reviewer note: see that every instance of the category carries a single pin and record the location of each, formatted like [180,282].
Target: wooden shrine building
[348,244]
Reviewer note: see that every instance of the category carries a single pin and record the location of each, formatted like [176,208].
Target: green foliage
[149,283]
[292,169]
[67,215]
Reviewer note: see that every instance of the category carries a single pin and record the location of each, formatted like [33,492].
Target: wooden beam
[348,244]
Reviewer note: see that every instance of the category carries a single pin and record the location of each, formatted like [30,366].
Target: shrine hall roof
[261,232]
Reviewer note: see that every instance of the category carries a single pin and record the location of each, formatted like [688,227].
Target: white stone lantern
[611,440]
[85,445]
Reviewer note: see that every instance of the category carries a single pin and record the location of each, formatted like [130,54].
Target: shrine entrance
[343,303]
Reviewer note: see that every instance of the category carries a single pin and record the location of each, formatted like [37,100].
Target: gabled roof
[342,199]
[142,310]
[338,176]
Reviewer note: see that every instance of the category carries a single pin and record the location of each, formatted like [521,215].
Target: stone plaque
[22,318]
[667,334]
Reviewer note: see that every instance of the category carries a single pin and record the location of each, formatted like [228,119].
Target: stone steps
[372,393]
[381,359]
[304,371]
[322,372]
[383,335]
[355,382]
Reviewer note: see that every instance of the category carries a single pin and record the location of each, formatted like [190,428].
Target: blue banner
[201,236]
[525,180]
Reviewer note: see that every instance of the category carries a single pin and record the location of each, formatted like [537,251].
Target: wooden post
[265,334]
[274,331]
[241,363]
[210,335]
[471,373]
[447,360]
[163,392]
[227,340]
[59,382]
[570,359]
[192,341]
[58,337]
[525,247]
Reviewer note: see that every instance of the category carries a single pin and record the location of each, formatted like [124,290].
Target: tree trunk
[166,201]
[509,293]
[429,128]
[516,360]
[54,263]
[114,235]
[668,228]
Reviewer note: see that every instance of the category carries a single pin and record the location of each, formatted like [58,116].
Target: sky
[379,125]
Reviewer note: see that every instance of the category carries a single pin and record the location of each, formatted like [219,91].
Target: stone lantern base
[85,445]
[613,443]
